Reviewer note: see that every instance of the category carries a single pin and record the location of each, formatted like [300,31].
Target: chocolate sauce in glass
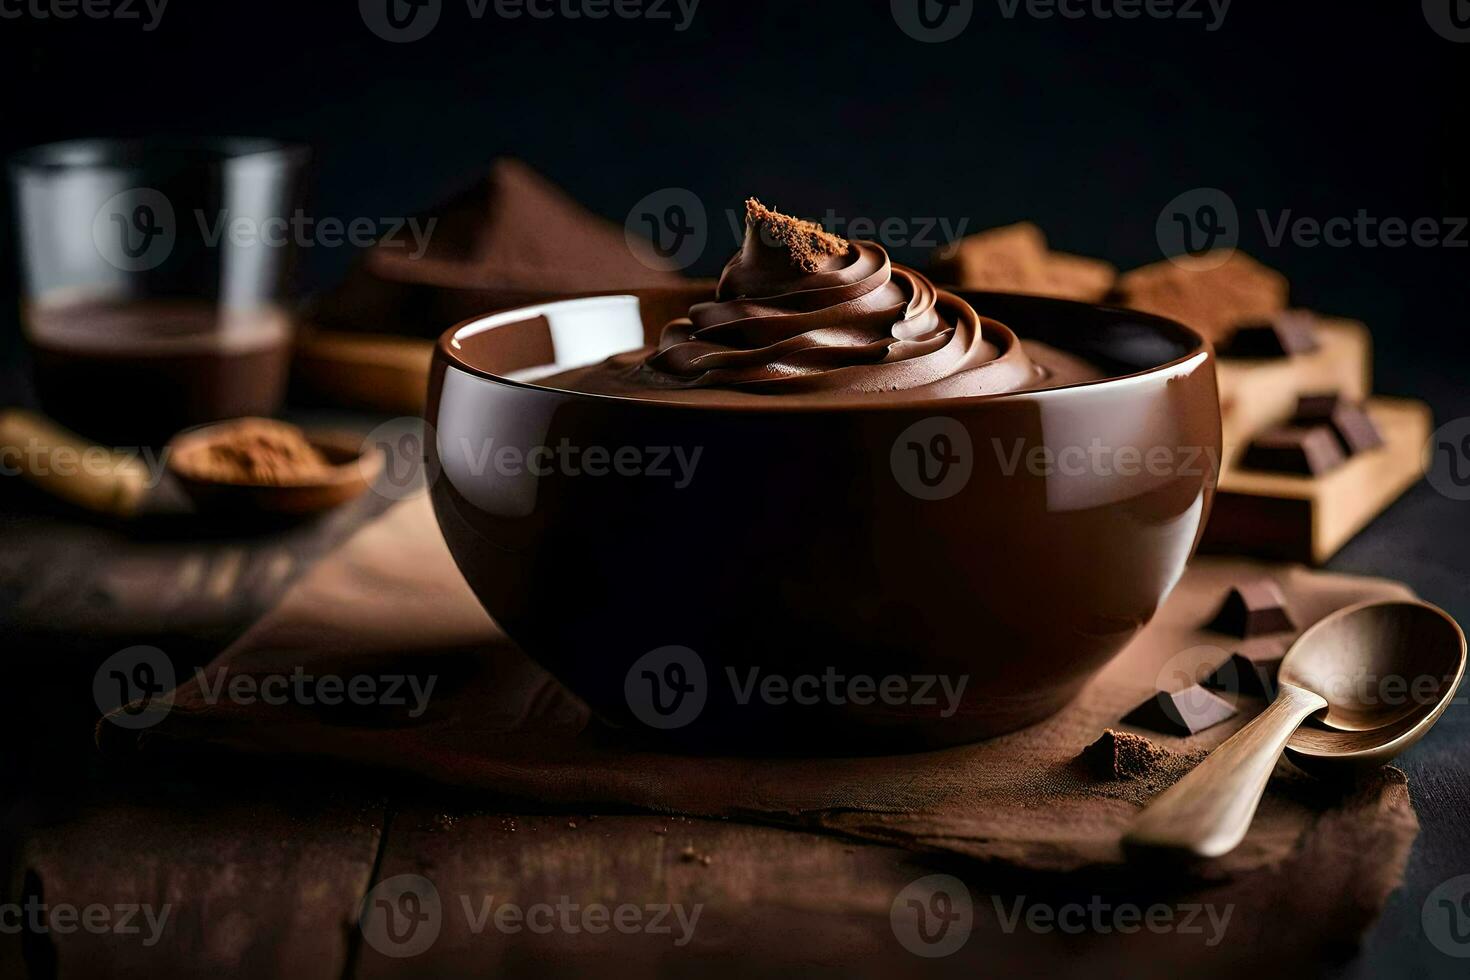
[136,372]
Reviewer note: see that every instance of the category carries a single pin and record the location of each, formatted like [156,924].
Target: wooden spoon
[1379,674]
[352,470]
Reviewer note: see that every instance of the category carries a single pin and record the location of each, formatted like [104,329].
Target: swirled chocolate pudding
[804,314]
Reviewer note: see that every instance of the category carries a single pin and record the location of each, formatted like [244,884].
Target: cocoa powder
[254,451]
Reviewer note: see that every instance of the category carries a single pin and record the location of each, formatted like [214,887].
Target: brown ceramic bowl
[799,584]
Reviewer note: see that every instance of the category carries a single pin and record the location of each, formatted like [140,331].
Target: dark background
[1088,128]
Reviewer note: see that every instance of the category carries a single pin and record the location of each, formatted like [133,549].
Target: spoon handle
[1208,811]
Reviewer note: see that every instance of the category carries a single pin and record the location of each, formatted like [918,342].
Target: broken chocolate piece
[1242,675]
[1016,259]
[1278,336]
[1355,430]
[1299,450]
[1186,712]
[1316,408]
[1253,609]
[1123,755]
[1211,293]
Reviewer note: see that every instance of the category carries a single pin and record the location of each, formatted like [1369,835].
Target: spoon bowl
[1419,656]
[1378,664]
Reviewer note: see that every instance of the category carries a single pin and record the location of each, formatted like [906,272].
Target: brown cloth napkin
[512,238]
[391,602]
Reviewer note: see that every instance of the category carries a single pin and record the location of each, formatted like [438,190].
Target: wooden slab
[767,900]
[1257,394]
[1309,519]
[247,887]
[372,372]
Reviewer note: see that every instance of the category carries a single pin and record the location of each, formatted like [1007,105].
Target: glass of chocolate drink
[153,280]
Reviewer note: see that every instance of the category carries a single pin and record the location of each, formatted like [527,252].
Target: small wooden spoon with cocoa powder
[244,467]
[266,467]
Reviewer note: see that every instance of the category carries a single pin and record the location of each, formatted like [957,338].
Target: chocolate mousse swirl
[800,309]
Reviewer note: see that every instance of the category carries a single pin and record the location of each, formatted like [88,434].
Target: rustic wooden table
[262,872]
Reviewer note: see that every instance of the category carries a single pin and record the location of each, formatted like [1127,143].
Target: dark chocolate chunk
[1299,450]
[1279,336]
[1242,675]
[1355,430]
[1186,712]
[1254,609]
[1316,408]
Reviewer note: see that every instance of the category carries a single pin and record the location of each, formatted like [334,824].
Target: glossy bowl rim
[1201,353]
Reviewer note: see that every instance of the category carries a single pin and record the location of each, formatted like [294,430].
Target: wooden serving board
[1309,519]
[1256,394]
[369,372]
